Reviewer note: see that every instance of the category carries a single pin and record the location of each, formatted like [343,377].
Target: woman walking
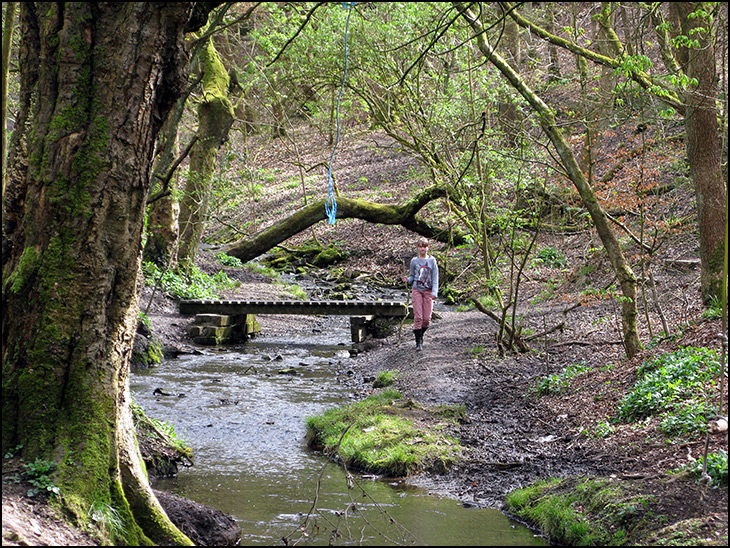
[424,275]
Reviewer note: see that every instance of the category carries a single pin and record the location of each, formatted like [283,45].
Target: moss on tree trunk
[71,245]
[390,214]
[215,116]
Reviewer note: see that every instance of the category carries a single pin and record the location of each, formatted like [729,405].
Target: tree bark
[164,212]
[77,188]
[8,26]
[554,66]
[703,142]
[388,214]
[623,271]
[163,208]
[215,116]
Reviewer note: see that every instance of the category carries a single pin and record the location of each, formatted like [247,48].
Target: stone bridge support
[214,329]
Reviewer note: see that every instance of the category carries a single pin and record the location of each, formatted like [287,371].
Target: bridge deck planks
[342,308]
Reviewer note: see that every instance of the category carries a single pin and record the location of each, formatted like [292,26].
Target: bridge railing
[343,308]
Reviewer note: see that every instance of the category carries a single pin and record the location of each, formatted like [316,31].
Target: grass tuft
[378,435]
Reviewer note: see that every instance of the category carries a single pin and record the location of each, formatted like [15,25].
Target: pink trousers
[422,308]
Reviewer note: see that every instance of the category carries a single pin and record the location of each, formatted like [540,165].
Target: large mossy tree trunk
[215,116]
[626,277]
[97,80]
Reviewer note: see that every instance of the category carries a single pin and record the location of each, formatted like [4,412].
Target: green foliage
[552,257]
[385,378]
[488,301]
[263,270]
[584,512]
[297,292]
[162,430]
[193,284]
[375,435]
[633,63]
[714,309]
[38,473]
[673,383]
[107,519]
[454,413]
[602,429]
[476,350]
[12,452]
[687,418]
[227,260]
[144,319]
[555,515]
[560,382]
[716,468]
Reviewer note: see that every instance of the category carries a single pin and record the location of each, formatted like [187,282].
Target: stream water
[245,422]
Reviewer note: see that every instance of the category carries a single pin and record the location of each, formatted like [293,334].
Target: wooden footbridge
[219,321]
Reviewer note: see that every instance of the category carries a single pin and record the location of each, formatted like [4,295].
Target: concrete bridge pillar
[214,329]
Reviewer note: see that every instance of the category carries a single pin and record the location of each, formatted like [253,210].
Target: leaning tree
[620,265]
[689,44]
[97,81]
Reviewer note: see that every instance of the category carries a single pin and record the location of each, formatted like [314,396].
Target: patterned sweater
[424,275]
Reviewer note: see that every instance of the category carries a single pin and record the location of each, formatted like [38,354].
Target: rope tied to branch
[330,203]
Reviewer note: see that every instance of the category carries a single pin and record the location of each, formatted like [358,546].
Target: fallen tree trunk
[389,214]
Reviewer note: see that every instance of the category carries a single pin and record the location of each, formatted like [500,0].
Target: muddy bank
[514,437]
[511,439]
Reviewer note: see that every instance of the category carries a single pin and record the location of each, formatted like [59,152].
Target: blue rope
[330,203]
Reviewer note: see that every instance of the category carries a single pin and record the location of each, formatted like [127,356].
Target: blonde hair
[422,242]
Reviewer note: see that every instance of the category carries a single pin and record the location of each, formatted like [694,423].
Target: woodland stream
[246,424]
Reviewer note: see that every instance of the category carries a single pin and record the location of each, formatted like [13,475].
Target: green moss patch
[162,450]
[582,512]
[385,434]
[601,511]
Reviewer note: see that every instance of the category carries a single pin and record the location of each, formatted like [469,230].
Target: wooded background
[129,128]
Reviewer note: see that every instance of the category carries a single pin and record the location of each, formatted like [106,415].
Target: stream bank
[514,438]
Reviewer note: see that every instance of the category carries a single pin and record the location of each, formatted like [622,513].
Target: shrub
[194,284]
[227,260]
[552,257]
[38,474]
[560,382]
[687,418]
[666,381]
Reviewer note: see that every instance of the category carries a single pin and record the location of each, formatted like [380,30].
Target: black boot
[418,333]
[420,338]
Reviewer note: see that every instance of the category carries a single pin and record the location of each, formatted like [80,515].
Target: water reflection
[244,419]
